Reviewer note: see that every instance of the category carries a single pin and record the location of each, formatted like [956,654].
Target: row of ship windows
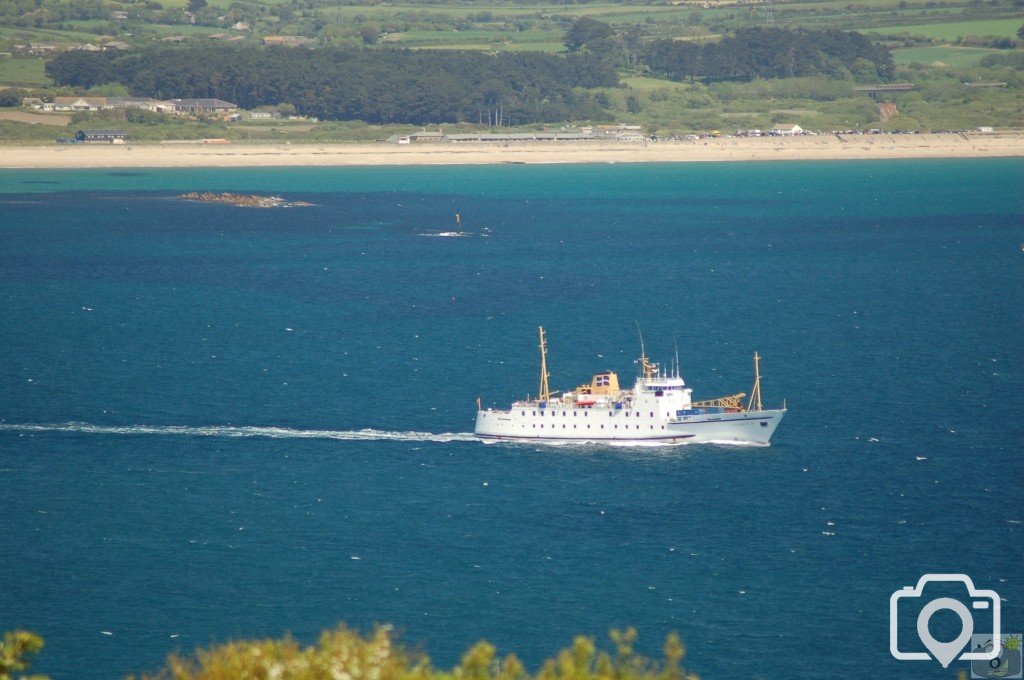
[586,414]
[588,426]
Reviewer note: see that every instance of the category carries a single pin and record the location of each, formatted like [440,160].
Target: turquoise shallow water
[185,388]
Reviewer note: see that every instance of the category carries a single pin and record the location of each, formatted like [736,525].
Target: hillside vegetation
[690,67]
[383,86]
[424,87]
[518,25]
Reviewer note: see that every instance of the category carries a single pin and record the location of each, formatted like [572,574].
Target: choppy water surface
[219,422]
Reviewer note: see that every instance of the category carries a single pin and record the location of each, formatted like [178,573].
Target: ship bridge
[651,379]
[663,384]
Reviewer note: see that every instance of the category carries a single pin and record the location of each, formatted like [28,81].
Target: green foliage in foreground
[344,653]
[15,648]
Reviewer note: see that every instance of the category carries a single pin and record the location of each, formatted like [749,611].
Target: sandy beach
[824,147]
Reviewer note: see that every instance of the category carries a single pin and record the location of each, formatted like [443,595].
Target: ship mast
[646,367]
[544,393]
[755,393]
[643,353]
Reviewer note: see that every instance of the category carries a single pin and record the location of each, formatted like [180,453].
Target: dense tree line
[771,53]
[377,86]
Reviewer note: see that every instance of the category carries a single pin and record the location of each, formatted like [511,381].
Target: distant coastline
[822,147]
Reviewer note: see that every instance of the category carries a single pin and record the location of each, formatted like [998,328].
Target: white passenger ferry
[659,408]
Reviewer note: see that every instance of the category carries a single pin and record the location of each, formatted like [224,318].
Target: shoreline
[721,149]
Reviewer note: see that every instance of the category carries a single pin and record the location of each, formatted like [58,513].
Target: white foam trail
[343,435]
[243,431]
[727,442]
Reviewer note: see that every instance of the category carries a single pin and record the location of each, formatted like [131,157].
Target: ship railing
[600,402]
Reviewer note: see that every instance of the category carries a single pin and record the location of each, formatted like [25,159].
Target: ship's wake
[241,431]
[364,435]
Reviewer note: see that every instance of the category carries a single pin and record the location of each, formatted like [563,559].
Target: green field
[23,72]
[220,4]
[496,47]
[645,84]
[186,30]
[961,57]
[43,35]
[480,39]
[860,5]
[88,29]
[997,28]
[378,12]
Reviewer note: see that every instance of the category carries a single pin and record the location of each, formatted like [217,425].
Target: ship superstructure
[659,408]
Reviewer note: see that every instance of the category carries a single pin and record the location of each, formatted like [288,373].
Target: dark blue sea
[221,422]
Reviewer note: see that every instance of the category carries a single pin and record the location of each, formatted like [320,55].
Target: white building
[787,129]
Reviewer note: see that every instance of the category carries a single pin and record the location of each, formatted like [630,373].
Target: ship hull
[601,425]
